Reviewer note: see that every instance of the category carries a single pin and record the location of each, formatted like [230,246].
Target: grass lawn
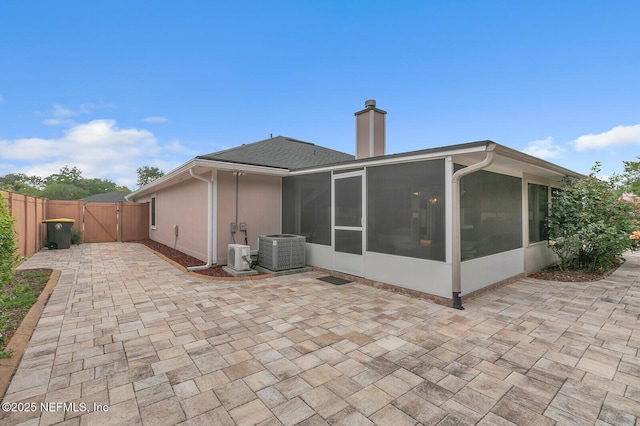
[16,298]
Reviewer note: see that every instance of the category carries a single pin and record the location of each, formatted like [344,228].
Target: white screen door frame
[348,222]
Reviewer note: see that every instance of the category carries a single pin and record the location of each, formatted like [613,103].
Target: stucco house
[442,222]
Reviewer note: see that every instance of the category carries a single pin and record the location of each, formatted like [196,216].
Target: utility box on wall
[282,251]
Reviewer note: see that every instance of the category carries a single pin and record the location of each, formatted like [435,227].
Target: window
[153,212]
[406,209]
[306,207]
[490,214]
[538,212]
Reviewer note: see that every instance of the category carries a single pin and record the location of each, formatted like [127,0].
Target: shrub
[590,224]
[76,236]
[8,245]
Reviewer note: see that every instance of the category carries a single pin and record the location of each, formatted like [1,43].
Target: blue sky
[112,86]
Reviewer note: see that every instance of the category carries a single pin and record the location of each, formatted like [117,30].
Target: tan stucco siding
[184,205]
[259,206]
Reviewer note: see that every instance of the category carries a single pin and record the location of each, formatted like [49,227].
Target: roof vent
[370,103]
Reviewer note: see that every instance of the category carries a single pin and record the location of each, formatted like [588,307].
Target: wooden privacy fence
[104,222]
[29,212]
[99,222]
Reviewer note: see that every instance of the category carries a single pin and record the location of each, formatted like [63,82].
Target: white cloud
[59,111]
[544,148]
[25,149]
[62,116]
[618,136]
[174,146]
[155,119]
[58,122]
[99,148]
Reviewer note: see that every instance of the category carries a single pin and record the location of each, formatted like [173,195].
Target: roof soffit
[202,167]
[506,159]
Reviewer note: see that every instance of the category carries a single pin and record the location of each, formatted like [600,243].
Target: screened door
[348,220]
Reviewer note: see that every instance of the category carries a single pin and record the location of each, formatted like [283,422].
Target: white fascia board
[391,159]
[223,165]
[182,172]
[500,150]
[535,161]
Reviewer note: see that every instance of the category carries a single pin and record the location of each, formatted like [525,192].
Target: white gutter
[176,174]
[389,159]
[210,224]
[456,261]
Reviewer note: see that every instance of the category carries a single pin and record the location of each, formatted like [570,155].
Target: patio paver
[126,338]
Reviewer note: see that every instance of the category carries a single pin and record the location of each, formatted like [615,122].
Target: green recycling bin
[59,233]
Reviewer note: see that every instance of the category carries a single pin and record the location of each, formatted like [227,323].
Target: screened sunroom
[391,219]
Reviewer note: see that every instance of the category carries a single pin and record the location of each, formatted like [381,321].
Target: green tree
[68,175]
[589,224]
[64,191]
[8,245]
[22,184]
[97,186]
[632,176]
[68,184]
[148,174]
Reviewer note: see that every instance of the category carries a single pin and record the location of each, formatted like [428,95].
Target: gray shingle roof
[281,152]
[109,197]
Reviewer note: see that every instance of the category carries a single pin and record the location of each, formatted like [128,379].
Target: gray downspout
[209,223]
[456,261]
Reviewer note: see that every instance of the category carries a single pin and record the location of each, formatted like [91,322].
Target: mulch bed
[553,273]
[184,259]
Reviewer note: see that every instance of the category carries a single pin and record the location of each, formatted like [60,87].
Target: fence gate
[104,222]
[134,221]
[100,222]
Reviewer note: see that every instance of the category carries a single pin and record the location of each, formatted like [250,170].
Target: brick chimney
[370,131]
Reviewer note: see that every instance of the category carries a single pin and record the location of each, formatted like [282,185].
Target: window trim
[527,219]
[153,212]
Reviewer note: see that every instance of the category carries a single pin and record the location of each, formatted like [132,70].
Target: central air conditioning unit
[281,252]
[237,256]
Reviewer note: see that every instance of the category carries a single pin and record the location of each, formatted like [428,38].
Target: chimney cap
[370,105]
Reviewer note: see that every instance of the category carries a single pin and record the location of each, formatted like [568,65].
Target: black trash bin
[59,233]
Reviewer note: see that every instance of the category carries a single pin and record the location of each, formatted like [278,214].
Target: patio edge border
[22,336]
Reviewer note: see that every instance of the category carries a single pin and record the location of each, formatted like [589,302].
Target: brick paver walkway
[128,333]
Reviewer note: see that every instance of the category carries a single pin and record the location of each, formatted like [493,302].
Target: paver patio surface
[126,338]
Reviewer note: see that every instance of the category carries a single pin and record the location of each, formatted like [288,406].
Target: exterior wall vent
[281,252]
